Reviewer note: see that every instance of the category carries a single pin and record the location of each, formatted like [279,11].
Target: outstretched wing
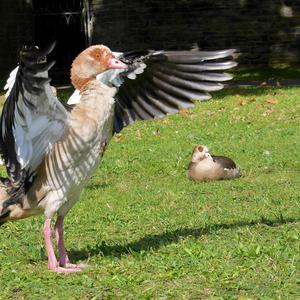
[32,118]
[158,83]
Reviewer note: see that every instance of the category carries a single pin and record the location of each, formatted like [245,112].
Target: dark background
[267,32]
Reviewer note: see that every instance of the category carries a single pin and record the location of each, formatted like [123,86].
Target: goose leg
[52,261]
[59,233]
[63,254]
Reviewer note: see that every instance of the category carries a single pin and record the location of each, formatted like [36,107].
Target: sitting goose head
[200,153]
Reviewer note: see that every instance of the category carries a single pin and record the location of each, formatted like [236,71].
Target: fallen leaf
[98,182]
[118,137]
[184,112]
[242,102]
[272,101]
[252,98]
[138,134]
[267,112]
[278,92]
[157,132]
[210,113]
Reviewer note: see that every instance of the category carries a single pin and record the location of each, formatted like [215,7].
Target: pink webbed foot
[63,266]
[80,266]
[64,261]
[69,266]
[65,269]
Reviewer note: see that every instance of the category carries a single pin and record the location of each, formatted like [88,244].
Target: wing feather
[162,82]
[32,118]
[158,83]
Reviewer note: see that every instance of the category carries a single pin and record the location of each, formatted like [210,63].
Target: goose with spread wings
[51,149]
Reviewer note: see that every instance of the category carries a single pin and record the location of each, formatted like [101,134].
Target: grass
[147,232]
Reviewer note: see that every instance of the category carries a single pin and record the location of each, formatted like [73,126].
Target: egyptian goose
[50,149]
[211,167]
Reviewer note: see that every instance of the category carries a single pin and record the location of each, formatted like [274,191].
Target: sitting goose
[50,149]
[210,167]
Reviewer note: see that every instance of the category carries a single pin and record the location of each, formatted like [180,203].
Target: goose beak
[115,63]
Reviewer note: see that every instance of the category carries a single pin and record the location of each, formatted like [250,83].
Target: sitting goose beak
[204,166]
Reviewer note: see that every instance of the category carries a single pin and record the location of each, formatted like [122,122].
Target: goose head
[200,153]
[91,62]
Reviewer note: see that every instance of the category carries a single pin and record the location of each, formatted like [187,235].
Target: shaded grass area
[147,232]
[265,73]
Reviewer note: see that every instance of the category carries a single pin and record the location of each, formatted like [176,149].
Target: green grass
[147,232]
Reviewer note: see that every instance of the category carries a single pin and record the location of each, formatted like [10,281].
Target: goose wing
[32,118]
[158,83]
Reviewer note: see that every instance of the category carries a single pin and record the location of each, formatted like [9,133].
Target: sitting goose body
[211,167]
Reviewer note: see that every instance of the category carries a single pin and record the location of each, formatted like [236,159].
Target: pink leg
[52,261]
[59,232]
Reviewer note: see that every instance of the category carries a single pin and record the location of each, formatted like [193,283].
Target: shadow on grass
[156,241]
[97,185]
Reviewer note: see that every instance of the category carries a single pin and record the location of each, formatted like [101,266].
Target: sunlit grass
[147,232]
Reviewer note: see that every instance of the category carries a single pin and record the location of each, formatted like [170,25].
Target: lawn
[147,232]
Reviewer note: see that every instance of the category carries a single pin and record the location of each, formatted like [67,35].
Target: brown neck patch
[79,82]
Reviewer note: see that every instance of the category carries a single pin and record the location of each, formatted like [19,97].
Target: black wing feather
[166,81]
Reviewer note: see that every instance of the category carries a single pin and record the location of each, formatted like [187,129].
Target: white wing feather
[10,81]
[75,98]
[36,126]
[42,126]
